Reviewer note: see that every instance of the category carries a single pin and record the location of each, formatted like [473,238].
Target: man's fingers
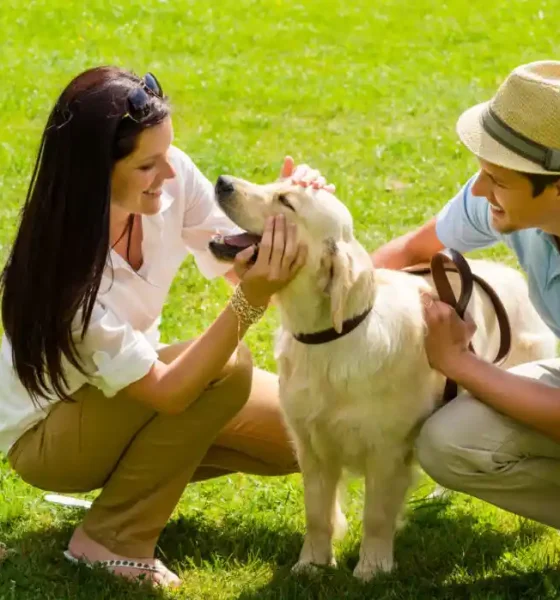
[427,300]
[471,325]
[437,311]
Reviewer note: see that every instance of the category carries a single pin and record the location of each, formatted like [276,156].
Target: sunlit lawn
[368,92]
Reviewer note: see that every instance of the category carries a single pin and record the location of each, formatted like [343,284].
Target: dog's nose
[224,186]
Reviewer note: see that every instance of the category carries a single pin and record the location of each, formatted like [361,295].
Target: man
[500,441]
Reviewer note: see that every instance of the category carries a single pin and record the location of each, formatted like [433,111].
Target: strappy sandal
[159,567]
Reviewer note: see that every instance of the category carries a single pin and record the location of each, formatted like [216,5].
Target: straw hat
[520,127]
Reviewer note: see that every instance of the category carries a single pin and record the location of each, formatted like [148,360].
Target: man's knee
[450,445]
[433,450]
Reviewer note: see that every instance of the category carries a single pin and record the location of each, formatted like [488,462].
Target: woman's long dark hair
[57,260]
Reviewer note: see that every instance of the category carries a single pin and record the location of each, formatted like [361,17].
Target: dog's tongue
[242,240]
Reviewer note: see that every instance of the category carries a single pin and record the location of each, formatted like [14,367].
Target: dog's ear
[337,277]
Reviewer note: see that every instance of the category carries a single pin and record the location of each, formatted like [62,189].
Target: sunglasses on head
[138,100]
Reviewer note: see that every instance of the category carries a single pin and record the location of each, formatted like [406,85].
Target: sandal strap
[131,564]
[113,564]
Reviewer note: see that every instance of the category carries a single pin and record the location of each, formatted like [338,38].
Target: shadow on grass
[536,585]
[239,538]
[440,556]
[435,553]
[35,568]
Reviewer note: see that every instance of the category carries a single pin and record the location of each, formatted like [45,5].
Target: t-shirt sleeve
[203,219]
[113,353]
[464,222]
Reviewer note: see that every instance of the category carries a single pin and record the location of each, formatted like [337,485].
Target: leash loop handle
[438,269]
[442,284]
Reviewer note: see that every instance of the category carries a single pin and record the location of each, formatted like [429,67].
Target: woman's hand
[279,258]
[305,176]
[447,335]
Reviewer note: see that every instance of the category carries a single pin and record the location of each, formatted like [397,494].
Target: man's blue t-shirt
[464,224]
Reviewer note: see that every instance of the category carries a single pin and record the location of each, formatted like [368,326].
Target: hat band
[547,158]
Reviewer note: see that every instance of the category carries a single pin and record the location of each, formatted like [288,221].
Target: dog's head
[334,261]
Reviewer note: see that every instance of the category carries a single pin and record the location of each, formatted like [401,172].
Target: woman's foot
[84,548]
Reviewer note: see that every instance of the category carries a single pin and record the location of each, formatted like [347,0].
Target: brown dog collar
[438,268]
[329,335]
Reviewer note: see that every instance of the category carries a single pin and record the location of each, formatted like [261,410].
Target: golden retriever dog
[355,403]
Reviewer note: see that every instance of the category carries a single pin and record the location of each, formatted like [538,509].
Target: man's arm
[412,248]
[526,400]
[463,224]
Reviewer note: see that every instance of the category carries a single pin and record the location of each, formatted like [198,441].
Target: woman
[90,398]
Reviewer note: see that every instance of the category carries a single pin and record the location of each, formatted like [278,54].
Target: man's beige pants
[469,447]
[143,460]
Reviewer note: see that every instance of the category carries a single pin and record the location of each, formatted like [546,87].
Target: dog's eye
[282,198]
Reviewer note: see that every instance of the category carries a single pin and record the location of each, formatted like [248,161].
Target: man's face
[513,206]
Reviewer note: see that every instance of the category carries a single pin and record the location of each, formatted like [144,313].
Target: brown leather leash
[440,265]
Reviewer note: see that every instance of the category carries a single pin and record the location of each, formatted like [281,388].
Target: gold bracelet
[245,312]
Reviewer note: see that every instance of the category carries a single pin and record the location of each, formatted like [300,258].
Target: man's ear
[337,277]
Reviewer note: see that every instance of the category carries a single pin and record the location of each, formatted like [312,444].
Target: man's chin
[504,228]
[501,224]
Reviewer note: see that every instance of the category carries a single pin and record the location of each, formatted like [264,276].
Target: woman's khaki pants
[468,447]
[143,460]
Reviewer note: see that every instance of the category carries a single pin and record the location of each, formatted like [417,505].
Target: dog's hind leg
[322,512]
[388,477]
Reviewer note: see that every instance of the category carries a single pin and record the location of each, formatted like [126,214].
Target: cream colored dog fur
[357,402]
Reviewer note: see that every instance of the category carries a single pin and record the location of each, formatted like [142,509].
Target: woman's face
[137,179]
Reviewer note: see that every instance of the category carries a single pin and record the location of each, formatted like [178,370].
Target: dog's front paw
[310,568]
[316,551]
[367,568]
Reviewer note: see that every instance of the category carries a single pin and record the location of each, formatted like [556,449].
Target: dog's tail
[529,347]
[340,524]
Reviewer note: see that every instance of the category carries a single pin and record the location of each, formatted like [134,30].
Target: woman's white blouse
[121,343]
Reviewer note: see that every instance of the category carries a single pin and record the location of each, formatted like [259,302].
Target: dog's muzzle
[224,187]
[227,247]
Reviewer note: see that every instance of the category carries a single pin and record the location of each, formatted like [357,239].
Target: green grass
[368,92]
